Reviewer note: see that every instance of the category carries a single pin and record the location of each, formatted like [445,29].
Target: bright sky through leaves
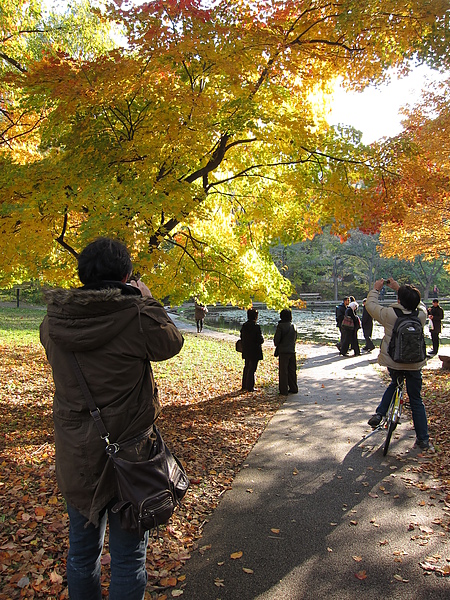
[376,110]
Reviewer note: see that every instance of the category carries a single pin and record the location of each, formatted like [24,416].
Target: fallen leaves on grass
[208,423]
[436,392]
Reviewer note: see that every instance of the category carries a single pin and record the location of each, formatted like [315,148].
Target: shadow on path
[314,504]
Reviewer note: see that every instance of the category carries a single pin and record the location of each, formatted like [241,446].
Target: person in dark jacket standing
[435,314]
[115,329]
[340,314]
[252,341]
[350,336]
[367,327]
[284,340]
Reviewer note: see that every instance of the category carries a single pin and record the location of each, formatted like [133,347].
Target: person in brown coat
[199,315]
[115,329]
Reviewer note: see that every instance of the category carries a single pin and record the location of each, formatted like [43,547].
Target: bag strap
[93,409]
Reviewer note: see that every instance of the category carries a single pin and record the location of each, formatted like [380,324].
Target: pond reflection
[313,325]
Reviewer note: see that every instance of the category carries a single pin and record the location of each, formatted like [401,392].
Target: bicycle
[392,418]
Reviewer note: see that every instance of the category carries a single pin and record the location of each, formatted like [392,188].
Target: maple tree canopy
[200,139]
[420,184]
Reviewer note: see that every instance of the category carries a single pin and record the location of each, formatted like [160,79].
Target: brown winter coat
[115,333]
[387,317]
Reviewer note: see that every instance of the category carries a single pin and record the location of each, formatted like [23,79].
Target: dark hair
[252,314]
[435,300]
[408,296]
[352,299]
[286,315]
[104,260]
[346,298]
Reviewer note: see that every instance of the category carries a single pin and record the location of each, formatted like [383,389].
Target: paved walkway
[320,514]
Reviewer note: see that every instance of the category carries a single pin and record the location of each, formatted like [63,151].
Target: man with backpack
[402,351]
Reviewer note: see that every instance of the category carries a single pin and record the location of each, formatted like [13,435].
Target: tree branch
[60,238]
[13,62]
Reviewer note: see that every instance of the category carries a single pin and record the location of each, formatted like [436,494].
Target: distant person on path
[340,313]
[367,327]
[408,300]
[436,315]
[284,340]
[350,335]
[199,315]
[115,329]
[252,341]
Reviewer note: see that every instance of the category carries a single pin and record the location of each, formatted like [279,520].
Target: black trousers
[435,340]
[248,376]
[368,337]
[287,374]
[350,338]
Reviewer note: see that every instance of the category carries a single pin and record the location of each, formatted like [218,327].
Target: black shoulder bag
[148,490]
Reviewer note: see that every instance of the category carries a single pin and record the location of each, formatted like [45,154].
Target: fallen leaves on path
[361,575]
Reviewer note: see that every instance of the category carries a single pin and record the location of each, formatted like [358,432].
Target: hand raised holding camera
[146,293]
[378,284]
[394,285]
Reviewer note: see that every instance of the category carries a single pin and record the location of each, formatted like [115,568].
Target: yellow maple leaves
[201,142]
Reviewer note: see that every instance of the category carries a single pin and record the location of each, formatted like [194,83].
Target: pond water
[313,325]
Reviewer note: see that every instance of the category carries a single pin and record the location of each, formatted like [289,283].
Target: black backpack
[407,343]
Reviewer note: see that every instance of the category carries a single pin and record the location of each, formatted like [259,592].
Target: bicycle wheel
[390,431]
[391,420]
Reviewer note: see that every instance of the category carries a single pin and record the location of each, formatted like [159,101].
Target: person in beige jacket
[408,300]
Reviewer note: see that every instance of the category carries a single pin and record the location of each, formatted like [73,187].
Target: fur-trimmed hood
[82,319]
[89,294]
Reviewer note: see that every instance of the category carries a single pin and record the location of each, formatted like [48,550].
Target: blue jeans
[413,381]
[128,554]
